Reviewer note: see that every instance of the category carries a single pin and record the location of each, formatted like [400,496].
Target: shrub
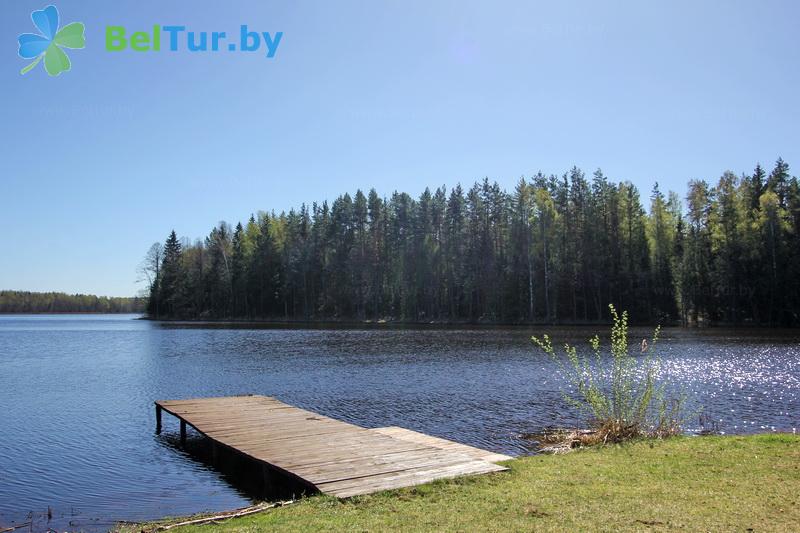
[627,402]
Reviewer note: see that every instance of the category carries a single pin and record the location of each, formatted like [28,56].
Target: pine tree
[778,182]
[171,285]
[264,274]
[239,261]
[661,238]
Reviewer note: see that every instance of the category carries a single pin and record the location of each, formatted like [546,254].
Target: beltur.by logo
[177,38]
[50,43]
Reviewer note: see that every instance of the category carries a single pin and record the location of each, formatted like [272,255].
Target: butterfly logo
[50,44]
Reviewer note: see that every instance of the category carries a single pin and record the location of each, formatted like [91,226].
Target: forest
[556,249]
[59,302]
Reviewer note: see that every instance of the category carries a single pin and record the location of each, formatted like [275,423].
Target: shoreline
[626,486]
[29,313]
[387,323]
[322,323]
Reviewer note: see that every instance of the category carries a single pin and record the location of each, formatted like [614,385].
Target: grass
[720,483]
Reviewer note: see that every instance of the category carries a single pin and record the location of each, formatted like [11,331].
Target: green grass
[729,483]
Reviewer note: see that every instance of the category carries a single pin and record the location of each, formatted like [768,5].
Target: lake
[77,398]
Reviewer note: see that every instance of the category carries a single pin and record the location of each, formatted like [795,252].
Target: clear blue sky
[99,163]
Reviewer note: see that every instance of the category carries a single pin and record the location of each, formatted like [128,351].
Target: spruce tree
[172,278]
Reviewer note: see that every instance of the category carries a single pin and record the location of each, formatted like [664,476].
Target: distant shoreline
[13,302]
[323,323]
[18,313]
[356,322]
[388,324]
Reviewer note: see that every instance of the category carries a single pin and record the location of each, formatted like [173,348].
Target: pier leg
[183,433]
[158,419]
[214,453]
[268,479]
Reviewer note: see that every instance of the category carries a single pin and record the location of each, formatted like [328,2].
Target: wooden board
[444,444]
[329,455]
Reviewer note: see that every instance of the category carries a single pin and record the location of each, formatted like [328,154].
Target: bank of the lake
[729,483]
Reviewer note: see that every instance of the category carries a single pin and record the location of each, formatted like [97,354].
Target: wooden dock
[325,454]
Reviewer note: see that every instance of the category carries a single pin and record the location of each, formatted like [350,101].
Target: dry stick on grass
[223,516]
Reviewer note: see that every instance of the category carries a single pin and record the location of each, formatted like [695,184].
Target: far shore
[322,323]
[23,313]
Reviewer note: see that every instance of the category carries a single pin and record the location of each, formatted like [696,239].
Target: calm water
[77,398]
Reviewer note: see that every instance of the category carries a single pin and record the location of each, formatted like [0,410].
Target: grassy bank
[727,483]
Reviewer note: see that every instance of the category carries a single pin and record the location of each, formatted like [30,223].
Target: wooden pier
[325,454]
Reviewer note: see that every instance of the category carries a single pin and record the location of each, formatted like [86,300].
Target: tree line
[555,249]
[59,302]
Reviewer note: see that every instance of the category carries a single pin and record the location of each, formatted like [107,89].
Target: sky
[105,159]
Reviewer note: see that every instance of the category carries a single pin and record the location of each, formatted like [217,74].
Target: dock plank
[444,444]
[329,455]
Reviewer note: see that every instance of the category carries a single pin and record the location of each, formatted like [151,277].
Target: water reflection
[247,477]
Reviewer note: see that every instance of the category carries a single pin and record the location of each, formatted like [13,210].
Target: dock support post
[183,433]
[214,453]
[268,477]
[158,419]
